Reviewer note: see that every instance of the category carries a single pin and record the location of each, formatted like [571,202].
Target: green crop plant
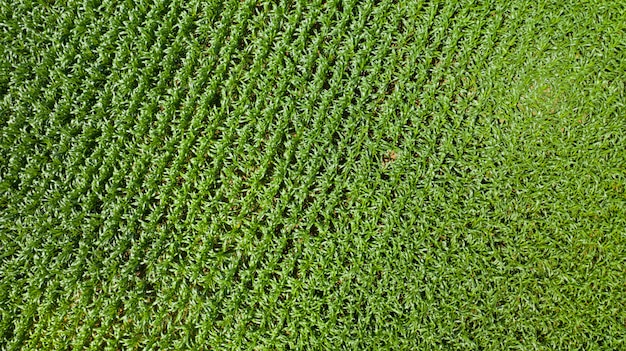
[253,175]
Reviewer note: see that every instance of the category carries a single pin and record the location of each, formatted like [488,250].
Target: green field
[284,175]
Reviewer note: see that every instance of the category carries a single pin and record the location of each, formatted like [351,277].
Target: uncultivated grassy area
[312,175]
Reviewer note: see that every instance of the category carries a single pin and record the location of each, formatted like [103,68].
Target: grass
[312,175]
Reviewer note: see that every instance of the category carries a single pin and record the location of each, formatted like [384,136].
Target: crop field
[284,175]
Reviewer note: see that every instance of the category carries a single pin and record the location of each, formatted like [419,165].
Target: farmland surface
[274,175]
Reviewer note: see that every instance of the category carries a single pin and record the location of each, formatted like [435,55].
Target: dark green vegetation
[357,175]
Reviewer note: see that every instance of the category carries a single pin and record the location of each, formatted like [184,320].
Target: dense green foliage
[324,174]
